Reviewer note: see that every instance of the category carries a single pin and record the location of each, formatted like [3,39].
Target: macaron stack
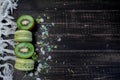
[24,50]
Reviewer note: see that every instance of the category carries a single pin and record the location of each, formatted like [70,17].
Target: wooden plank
[90,38]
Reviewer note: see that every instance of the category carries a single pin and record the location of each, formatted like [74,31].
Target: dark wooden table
[90,38]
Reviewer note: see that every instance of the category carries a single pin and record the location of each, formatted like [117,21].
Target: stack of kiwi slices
[24,50]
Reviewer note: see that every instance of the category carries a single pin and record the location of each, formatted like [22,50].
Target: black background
[90,45]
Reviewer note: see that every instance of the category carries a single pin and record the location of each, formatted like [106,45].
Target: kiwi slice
[23,36]
[24,50]
[24,64]
[25,22]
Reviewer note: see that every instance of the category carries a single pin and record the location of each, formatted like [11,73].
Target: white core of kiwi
[25,22]
[24,50]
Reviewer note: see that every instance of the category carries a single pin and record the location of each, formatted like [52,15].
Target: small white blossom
[41,20]
[38,79]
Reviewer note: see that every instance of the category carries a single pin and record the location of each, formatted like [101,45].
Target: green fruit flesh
[25,22]
[23,36]
[24,50]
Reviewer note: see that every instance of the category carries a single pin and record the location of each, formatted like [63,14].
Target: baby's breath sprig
[42,55]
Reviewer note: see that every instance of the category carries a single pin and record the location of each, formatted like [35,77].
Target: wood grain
[90,33]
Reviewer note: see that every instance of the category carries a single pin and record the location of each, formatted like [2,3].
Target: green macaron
[24,64]
[23,36]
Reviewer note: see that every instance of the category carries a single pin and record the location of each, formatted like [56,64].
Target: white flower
[38,79]
[49,57]
[31,74]
[41,20]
